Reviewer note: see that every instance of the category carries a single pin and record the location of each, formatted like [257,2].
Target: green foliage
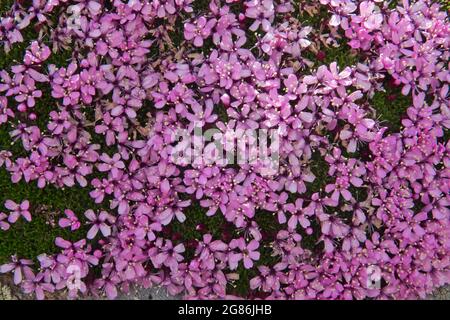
[390,106]
[28,240]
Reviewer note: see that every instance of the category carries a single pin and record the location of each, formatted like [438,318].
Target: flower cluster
[379,204]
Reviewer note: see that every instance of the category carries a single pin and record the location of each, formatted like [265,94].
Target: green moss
[446,136]
[28,240]
[319,168]
[200,5]
[5,5]
[196,215]
[47,205]
[267,221]
[445,4]
[341,55]
[14,56]
[314,20]
[390,106]
[60,59]
[221,112]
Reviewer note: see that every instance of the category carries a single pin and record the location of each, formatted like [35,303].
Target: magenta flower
[199,30]
[174,210]
[101,222]
[208,250]
[262,11]
[4,225]
[246,252]
[299,215]
[34,284]
[200,117]
[372,20]
[20,268]
[170,256]
[71,221]
[18,210]
[5,112]
[111,164]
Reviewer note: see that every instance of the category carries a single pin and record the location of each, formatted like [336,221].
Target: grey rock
[137,293]
[140,293]
[442,293]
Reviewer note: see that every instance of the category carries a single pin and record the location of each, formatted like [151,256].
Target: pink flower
[4,225]
[372,19]
[5,112]
[169,256]
[247,253]
[71,221]
[111,164]
[200,30]
[101,222]
[34,284]
[299,215]
[19,267]
[18,210]
[174,210]
[262,11]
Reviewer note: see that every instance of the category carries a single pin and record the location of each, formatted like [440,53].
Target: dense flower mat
[358,208]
